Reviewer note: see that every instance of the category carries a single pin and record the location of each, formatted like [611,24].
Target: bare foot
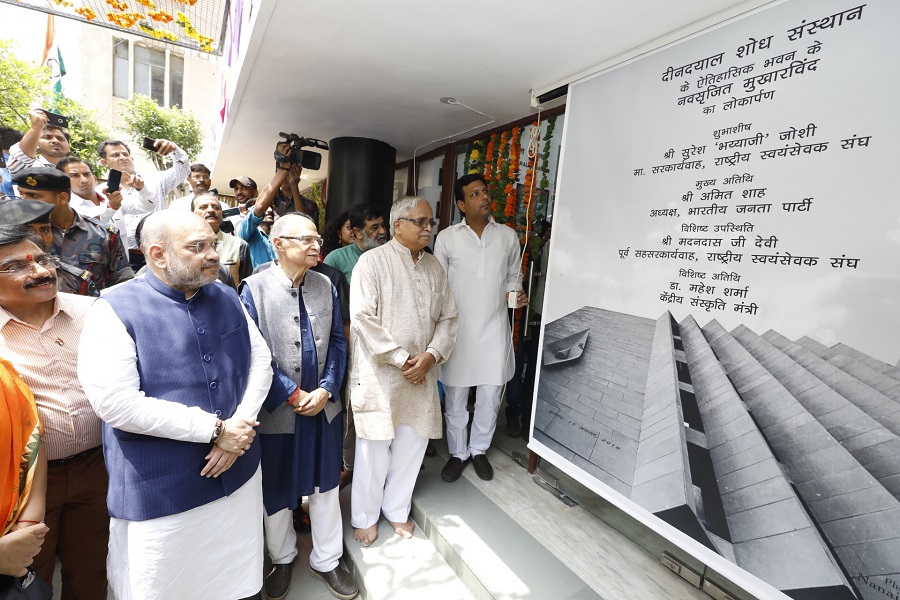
[366,536]
[404,530]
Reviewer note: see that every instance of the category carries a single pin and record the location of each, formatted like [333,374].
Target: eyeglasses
[421,223]
[199,247]
[22,267]
[307,240]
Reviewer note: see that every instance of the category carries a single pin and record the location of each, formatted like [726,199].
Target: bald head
[165,226]
[180,249]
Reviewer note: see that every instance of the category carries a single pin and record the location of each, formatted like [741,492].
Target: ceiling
[327,68]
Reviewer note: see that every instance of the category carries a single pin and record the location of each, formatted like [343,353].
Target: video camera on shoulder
[307,159]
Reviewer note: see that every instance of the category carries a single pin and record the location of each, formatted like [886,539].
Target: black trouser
[520,389]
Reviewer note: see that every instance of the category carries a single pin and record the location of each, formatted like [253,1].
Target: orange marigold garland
[87,13]
[529,178]
[510,209]
[489,157]
[514,149]
[161,16]
[124,20]
[504,143]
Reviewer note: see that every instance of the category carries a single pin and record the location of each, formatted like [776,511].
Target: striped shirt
[46,358]
[19,161]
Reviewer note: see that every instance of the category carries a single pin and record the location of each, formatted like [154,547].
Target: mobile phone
[149,144]
[55,119]
[114,180]
[230,212]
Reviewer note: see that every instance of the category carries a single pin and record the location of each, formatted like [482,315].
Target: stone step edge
[446,550]
[348,557]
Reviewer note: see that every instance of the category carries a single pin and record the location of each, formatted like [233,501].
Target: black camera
[307,159]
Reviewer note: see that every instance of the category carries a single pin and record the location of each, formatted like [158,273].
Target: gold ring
[242,453]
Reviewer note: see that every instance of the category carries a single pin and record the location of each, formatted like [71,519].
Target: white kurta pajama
[158,558]
[398,309]
[481,271]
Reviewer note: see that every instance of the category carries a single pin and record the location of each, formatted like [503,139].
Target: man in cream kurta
[402,323]
[481,258]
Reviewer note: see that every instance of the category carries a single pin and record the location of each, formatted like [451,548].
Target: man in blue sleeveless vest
[301,431]
[177,371]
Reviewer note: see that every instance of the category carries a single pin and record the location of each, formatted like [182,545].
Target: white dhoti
[213,552]
[384,477]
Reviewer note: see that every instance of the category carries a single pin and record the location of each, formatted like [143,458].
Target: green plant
[85,131]
[145,118]
[314,193]
[22,85]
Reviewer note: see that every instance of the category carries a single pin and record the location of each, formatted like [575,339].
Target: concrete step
[465,547]
[393,568]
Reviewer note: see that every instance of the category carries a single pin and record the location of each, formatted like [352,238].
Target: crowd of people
[175,382]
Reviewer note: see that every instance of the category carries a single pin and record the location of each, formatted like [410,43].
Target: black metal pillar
[360,170]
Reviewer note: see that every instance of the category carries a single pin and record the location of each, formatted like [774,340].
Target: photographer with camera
[144,194]
[290,158]
[50,138]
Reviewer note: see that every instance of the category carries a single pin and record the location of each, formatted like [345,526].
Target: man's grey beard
[181,277]
[368,242]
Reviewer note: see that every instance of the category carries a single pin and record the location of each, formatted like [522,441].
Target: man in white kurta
[482,259]
[402,323]
[177,371]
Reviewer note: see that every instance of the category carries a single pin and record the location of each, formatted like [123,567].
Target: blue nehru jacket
[195,352]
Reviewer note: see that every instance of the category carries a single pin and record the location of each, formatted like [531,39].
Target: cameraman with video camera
[289,160]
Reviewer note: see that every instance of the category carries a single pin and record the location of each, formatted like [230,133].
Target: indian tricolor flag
[53,58]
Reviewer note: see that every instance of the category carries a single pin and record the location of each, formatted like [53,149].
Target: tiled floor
[605,562]
[612,565]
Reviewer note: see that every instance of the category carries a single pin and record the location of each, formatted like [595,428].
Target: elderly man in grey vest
[301,434]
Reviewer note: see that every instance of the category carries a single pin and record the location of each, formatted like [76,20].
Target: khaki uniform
[93,257]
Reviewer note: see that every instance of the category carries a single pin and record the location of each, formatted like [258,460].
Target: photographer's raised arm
[294,181]
[268,193]
[29,142]
[178,172]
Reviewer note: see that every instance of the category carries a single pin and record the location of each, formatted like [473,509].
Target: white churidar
[384,477]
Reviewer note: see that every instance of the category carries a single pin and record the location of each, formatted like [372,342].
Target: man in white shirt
[482,261]
[199,180]
[149,194]
[87,200]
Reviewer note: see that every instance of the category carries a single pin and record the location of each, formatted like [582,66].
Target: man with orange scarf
[23,477]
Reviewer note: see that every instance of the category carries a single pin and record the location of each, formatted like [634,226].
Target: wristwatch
[217,431]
